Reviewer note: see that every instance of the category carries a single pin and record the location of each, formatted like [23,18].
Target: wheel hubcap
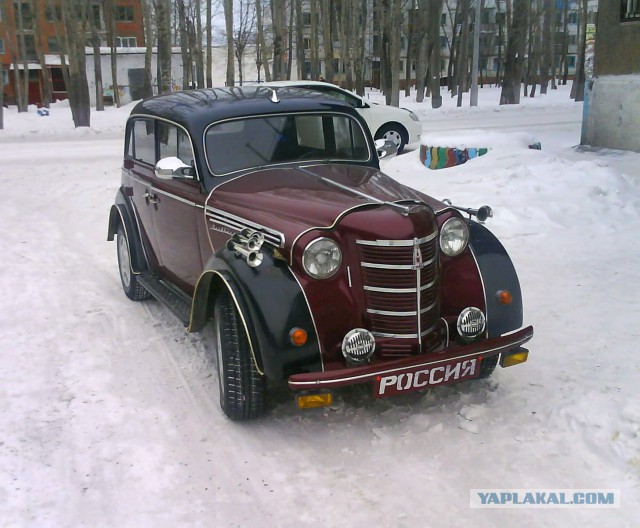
[123,261]
[393,135]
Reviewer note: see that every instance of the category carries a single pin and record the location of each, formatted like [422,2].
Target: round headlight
[454,237]
[322,258]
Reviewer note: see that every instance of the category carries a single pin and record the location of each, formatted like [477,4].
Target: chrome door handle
[151,198]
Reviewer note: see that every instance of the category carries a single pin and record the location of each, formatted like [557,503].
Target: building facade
[30,28]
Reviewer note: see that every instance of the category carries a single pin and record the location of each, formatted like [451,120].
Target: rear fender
[121,214]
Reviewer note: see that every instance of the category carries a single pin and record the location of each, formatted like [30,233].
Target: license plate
[423,377]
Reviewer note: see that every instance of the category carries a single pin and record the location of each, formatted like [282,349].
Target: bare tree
[516,45]
[327,39]
[94,22]
[278,18]
[261,49]
[37,7]
[185,47]
[300,48]
[208,56]
[243,33]
[314,41]
[228,22]
[110,22]
[163,20]
[565,43]
[434,16]
[577,88]
[76,21]
[147,86]
[547,47]
[359,23]
[197,47]
[462,62]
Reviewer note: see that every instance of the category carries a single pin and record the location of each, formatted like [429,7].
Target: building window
[306,43]
[126,42]
[52,44]
[5,76]
[573,40]
[27,17]
[124,14]
[629,10]
[401,69]
[443,41]
[53,13]
[572,61]
[2,50]
[443,19]
[573,18]
[306,19]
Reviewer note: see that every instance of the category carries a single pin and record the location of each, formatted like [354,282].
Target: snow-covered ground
[109,412]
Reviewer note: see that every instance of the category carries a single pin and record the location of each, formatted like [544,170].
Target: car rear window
[258,141]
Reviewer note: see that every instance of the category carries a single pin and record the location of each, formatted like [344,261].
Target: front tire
[132,288]
[394,133]
[242,387]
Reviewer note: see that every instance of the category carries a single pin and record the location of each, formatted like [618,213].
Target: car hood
[291,200]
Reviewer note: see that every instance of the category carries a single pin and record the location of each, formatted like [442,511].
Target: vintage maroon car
[265,213]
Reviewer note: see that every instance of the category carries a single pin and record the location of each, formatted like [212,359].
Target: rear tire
[242,387]
[132,288]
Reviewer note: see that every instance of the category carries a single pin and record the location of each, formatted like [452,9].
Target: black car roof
[195,109]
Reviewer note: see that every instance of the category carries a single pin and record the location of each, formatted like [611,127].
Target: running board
[179,303]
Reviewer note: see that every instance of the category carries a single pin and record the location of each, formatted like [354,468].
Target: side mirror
[386,148]
[173,168]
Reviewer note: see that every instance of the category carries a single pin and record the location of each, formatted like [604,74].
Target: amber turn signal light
[298,336]
[313,401]
[504,297]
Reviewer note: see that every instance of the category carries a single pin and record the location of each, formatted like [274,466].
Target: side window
[174,141]
[143,141]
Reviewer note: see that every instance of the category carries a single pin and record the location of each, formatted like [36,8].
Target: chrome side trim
[397,243]
[236,222]
[402,314]
[176,197]
[398,266]
[417,257]
[398,290]
[349,276]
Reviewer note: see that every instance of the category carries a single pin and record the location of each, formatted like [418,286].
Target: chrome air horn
[247,244]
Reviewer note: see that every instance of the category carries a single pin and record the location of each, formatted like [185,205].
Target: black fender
[122,213]
[498,273]
[270,302]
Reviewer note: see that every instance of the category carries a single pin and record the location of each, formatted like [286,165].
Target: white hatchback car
[400,125]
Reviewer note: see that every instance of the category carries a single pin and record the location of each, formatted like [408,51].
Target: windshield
[245,143]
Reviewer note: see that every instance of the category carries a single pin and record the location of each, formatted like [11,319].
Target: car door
[179,211]
[138,167]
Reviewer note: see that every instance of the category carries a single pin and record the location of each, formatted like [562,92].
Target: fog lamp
[315,400]
[514,358]
[358,345]
[471,323]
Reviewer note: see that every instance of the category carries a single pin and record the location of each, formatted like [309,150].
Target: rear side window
[144,148]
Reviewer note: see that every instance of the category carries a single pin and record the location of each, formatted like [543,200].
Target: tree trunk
[565,44]
[462,64]
[109,17]
[300,56]
[410,47]
[22,85]
[228,22]
[327,40]
[396,17]
[261,55]
[500,39]
[187,59]
[1,98]
[314,42]
[553,56]
[208,56]
[423,45]
[46,81]
[515,54]
[75,17]
[577,88]
[147,87]
[452,74]
[198,45]
[163,20]
[278,17]
[435,13]
[97,60]
[547,54]
[360,18]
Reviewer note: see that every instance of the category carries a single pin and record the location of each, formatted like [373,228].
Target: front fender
[498,273]
[271,303]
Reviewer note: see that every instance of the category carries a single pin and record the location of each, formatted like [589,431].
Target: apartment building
[37,23]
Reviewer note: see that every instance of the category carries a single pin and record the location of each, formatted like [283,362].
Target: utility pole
[473,99]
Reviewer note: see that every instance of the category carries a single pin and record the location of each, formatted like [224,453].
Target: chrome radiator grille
[400,283]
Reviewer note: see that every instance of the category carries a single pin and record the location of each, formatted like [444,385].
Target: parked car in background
[263,212]
[400,125]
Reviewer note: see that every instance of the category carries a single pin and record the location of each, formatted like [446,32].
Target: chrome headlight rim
[306,254]
[413,116]
[445,245]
